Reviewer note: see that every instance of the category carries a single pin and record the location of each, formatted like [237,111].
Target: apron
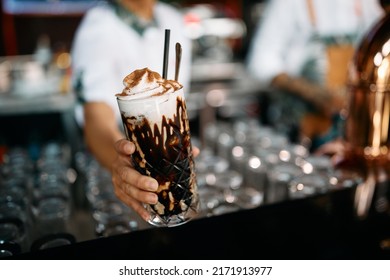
[328,66]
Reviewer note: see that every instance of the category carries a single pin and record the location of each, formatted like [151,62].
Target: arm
[319,96]
[100,79]
[101,132]
[278,45]
[106,142]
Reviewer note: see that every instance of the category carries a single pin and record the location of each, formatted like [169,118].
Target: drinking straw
[166,53]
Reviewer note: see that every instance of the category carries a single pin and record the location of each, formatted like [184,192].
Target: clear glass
[159,128]
[308,184]
[52,215]
[278,181]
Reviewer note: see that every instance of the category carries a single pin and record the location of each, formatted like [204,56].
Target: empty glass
[256,174]
[278,181]
[9,249]
[308,184]
[14,225]
[52,215]
[52,240]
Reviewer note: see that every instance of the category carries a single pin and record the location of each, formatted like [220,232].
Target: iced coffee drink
[155,119]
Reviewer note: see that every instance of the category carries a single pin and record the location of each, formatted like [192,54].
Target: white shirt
[105,49]
[282,40]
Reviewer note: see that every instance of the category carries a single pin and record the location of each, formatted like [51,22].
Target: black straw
[166,53]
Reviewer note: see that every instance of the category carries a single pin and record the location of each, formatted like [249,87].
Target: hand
[334,149]
[130,186]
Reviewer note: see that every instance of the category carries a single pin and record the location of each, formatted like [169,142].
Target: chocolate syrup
[164,153]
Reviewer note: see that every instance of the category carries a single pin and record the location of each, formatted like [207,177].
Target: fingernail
[152,184]
[152,199]
[146,217]
[129,147]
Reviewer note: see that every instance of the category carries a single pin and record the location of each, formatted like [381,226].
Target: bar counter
[319,227]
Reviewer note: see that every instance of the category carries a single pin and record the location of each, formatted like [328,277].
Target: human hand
[334,149]
[130,186]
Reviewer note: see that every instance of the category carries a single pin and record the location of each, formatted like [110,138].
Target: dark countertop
[320,227]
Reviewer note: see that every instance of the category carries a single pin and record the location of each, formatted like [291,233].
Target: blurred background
[25,21]
[35,65]
[53,192]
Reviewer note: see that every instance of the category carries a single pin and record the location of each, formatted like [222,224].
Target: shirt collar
[138,24]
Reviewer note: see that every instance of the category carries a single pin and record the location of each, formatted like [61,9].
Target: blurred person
[301,50]
[113,39]
[336,149]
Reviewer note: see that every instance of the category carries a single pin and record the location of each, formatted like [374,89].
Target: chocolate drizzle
[164,153]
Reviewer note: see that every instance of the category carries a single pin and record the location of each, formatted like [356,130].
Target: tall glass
[158,126]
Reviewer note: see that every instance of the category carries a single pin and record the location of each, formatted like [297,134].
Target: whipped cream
[143,83]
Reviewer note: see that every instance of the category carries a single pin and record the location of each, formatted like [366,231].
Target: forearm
[304,89]
[101,132]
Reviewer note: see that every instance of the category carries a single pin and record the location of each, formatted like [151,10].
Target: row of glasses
[35,198]
[292,172]
[272,168]
[16,220]
[220,189]
[209,169]
[111,216]
[52,199]
[231,144]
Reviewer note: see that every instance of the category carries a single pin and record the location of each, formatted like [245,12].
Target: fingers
[131,182]
[139,194]
[130,176]
[195,151]
[130,186]
[135,190]
[124,146]
[331,148]
[133,203]
[334,149]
